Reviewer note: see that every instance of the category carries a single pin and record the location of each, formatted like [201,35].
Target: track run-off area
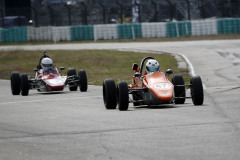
[76,125]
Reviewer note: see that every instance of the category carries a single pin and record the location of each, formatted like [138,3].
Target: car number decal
[161,85]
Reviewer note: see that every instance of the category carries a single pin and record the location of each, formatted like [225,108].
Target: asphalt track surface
[75,125]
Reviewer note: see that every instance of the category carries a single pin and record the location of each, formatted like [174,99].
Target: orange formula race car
[151,88]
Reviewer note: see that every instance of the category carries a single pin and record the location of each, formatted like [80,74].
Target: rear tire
[122,96]
[179,91]
[109,94]
[15,83]
[72,72]
[197,90]
[24,85]
[83,85]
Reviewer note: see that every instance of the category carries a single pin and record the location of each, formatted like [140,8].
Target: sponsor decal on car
[161,85]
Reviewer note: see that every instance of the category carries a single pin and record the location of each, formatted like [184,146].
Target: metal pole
[202,9]
[3,12]
[133,32]
[176,26]
[3,9]
[188,9]
[35,17]
[230,8]
[222,9]
[84,14]
[155,10]
[2,16]
[51,15]
[171,9]
[104,12]
[139,11]
[121,11]
[69,14]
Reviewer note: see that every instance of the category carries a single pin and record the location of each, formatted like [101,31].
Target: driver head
[46,63]
[152,66]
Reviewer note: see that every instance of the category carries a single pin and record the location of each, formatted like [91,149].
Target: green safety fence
[184,28]
[126,31]
[228,26]
[129,31]
[176,29]
[236,25]
[16,34]
[84,32]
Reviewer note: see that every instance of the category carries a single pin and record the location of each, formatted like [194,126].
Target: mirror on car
[169,71]
[135,66]
[62,68]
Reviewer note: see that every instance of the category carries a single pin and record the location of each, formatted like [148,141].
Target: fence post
[121,11]
[69,14]
[139,11]
[155,11]
[202,11]
[35,17]
[104,11]
[133,32]
[176,25]
[84,13]
[186,28]
[2,16]
[188,9]
[171,9]
[51,14]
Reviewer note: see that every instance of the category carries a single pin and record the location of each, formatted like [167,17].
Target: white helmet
[152,65]
[46,63]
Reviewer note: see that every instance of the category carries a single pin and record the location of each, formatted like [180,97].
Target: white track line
[191,68]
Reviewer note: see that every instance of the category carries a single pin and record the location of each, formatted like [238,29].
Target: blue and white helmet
[46,63]
[152,66]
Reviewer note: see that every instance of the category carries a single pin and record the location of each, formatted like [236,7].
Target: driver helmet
[152,66]
[47,63]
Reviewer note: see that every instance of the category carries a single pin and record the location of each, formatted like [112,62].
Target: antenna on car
[44,53]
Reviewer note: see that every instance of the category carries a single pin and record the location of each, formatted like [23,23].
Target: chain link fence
[89,12]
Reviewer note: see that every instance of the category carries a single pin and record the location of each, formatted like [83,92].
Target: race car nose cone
[163,91]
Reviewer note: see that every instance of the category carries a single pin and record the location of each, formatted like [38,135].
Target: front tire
[82,80]
[24,85]
[122,96]
[179,90]
[72,72]
[15,83]
[109,94]
[197,90]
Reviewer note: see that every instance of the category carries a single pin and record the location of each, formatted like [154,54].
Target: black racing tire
[15,83]
[122,96]
[24,84]
[109,94]
[179,91]
[72,72]
[83,85]
[197,90]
